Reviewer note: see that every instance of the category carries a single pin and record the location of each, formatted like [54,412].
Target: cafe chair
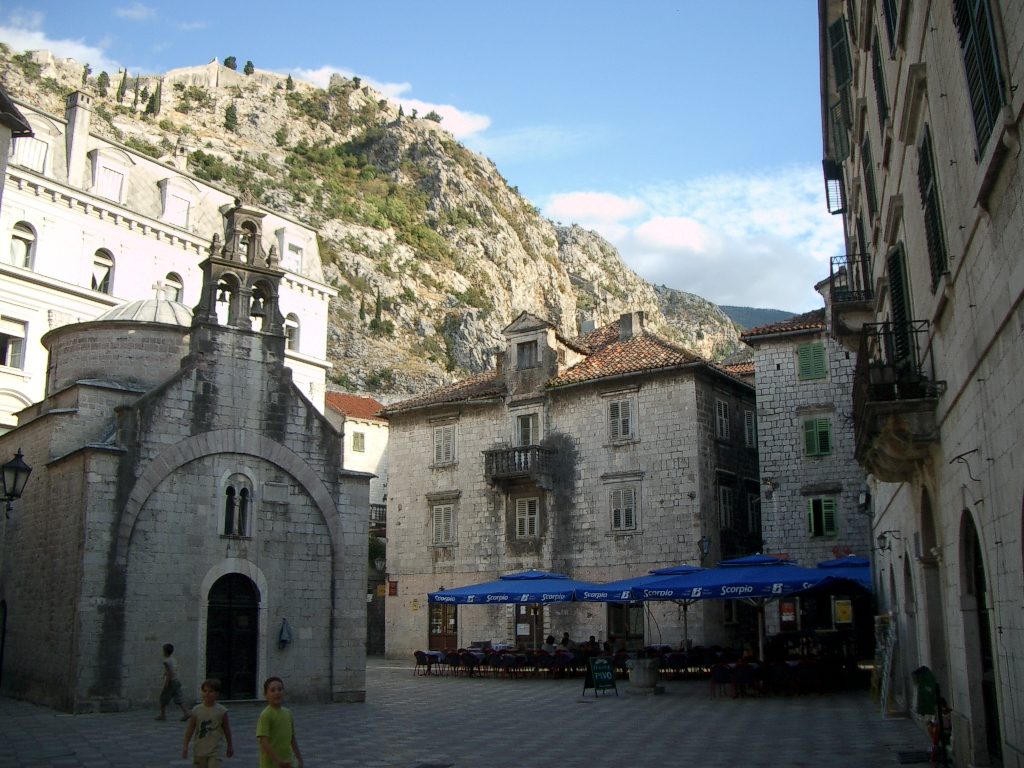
[469,662]
[779,678]
[746,680]
[422,664]
[452,662]
[676,663]
[721,680]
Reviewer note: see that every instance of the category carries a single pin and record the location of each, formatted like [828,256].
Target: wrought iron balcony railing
[378,514]
[529,461]
[850,278]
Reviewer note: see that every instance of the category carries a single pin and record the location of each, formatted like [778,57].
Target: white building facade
[89,224]
[922,124]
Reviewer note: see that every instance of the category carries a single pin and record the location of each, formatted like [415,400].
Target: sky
[686,132]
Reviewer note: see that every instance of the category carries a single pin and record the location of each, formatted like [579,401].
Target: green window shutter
[810,438]
[811,361]
[828,516]
[840,48]
[824,428]
[810,516]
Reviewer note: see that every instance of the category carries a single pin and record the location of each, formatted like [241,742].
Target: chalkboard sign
[600,675]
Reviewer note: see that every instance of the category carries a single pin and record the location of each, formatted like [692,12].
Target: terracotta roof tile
[640,353]
[739,369]
[809,321]
[482,385]
[355,406]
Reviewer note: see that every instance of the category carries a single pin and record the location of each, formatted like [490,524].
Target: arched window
[237,507]
[23,245]
[174,288]
[247,242]
[103,271]
[291,332]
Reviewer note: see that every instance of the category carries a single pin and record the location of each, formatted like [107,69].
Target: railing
[850,278]
[378,514]
[522,461]
[891,365]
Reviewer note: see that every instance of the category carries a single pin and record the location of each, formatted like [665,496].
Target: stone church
[184,490]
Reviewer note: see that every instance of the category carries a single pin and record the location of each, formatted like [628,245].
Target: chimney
[499,362]
[78,113]
[630,324]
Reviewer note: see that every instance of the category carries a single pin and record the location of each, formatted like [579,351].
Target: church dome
[150,311]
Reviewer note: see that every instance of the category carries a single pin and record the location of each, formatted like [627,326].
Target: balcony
[894,399]
[852,297]
[527,462]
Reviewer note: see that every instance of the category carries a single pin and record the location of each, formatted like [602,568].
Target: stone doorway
[232,635]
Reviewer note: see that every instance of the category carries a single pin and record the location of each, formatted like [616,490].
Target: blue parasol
[851,567]
[533,587]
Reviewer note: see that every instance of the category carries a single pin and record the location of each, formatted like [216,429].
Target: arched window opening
[174,287]
[238,507]
[291,332]
[229,511]
[103,271]
[242,519]
[247,242]
[23,245]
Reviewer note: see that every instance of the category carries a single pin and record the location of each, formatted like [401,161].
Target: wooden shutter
[620,419]
[974,26]
[526,517]
[444,444]
[811,361]
[444,527]
[927,184]
[828,516]
[623,511]
[900,305]
[749,429]
[840,48]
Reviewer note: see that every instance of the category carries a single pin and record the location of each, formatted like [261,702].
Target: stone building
[814,499]
[922,122]
[184,490]
[90,224]
[600,457]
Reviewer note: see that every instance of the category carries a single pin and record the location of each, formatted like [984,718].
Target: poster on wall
[842,611]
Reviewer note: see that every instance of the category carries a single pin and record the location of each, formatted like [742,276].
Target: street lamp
[704,545]
[13,477]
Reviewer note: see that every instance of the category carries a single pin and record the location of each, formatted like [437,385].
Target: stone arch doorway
[934,621]
[232,635]
[978,630]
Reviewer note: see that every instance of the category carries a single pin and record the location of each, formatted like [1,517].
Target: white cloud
[22,38]
[191,26]
[135,12]
[762,239]
[537,141]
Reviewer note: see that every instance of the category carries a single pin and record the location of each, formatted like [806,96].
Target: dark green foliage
[193,97]
[151,108]
[231,62]
[289,84]
[376,548]
[122,88]
[102,84]
[135,101]
[231,117]
[248,68]
[86,71]
[381,380]
[143,146]
[30,69]
[432,115]
[356,82]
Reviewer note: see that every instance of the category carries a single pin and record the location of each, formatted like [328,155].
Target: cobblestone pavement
[410,721]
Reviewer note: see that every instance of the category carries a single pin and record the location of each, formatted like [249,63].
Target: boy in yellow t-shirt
[209,722]
[275,729]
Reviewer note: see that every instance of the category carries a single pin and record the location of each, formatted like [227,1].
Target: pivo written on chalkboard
[600,675]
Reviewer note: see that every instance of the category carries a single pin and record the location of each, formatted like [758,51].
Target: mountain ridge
[431,251]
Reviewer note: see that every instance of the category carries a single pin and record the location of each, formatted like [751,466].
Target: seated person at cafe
[566,643]
[549,644]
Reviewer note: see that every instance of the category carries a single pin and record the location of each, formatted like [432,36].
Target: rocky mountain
[431,250]
[752,317]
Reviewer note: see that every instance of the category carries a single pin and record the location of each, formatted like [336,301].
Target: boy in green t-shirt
[211,720]
[275,730]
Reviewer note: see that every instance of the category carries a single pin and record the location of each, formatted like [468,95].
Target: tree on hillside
[122,89]
[248,68]
[103,83]
[432,115]
[135,102]
[289,84]
[231,117]
[231,62]
[86,71]
[357,82]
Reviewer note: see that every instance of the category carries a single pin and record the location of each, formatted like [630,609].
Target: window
[102,271]
[811,361]
[821,516]
[176,209]
[443,516]
[818,436]
[721,419]
[840,49]
[749,429]
[975,28]
[868,169]
[29,152]
[753,512]
[12,342]
[526,354]
[444,444]
[620,420]
[526,429]
[726,510]
[294,260]
[291,332]
[359,442]
[109,183]
[237,507]
[23,246]
[623,505]
[526,518]
[891,14]
[878,77]
[929,188]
